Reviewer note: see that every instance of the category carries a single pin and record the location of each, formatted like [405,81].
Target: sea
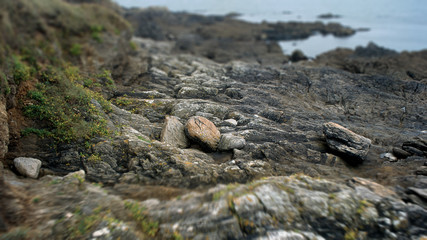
[400,25]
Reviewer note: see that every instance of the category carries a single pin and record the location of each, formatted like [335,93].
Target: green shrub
[76,49]
[21,72]
[96,31]
[39,132]
[66,107]
[106,78]
[148,227]
[133,45]
[4,84]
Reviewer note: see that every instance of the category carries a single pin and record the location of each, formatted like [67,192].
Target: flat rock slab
[29,167]
[345,141]
[203,131]
[230,142]
[173,133]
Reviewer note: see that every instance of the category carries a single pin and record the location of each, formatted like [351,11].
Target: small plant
[122,101]
[143,139]
[21,72]
[94,158]
[76,49]
[133,45]
[363,204]
[79,178]
[39,132]
[36,200]
[148,227]
[350,234]
[4,84]
[88,83]
[177,236]
[106,78]
[96,32]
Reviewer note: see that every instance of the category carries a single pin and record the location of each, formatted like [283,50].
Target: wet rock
[328,16]
[173,133]
[345,141]
[29,167]
[203,131]
[230,142]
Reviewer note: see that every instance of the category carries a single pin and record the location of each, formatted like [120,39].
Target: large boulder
[347,142]
[29,167]
[173,133]
[203,131]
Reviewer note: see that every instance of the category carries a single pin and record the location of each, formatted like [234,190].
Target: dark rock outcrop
[346,141]
[223,39]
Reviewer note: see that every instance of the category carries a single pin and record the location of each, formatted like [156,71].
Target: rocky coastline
[213,132]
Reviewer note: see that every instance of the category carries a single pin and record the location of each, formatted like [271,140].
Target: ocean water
[396,24]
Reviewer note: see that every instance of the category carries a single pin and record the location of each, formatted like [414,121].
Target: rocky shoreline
[217,135]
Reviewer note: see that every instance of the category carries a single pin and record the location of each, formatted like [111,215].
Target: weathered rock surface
[230,142]
[29,167]
[296,206]
[203,131]
[223,38]
[277,108]
[4,129]
[377,60]
[345,141]
[173,133]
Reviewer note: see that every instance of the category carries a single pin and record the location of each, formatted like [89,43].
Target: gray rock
[29,167]
[400,153]
[389,156]
[345,141]
[230,142]
[173,133]
[229,123]
[421,171]
[203,132]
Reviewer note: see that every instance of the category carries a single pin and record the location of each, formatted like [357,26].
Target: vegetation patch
[66,107]
[21,71]
[76,49]
[138,214]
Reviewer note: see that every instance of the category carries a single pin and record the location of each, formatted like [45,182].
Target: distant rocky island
[148,124]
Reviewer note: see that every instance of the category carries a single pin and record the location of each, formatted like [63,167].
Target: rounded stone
[203,131]
[29,167]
